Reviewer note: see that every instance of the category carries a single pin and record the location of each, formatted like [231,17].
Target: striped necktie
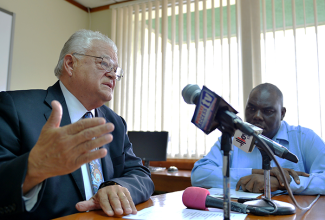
[95,167]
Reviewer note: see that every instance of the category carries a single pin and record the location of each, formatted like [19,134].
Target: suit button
[7,210]
[13,207]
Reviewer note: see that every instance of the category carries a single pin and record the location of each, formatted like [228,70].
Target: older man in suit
[46,147]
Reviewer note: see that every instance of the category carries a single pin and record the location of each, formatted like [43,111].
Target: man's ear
[283,112]
[68,62]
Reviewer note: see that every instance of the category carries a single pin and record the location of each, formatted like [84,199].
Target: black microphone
[277,149]
[199,198]
[247,143]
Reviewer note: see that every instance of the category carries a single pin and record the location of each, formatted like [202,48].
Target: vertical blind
[293,55]
[165,45]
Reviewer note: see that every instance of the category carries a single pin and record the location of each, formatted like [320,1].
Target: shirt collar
[282,133]
[75,108]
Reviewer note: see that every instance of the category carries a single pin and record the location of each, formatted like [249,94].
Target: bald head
[271,89]
[265,109]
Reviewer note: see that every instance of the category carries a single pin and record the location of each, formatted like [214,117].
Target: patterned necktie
[95,167]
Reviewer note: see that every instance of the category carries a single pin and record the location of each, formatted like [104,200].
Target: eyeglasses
[108,66]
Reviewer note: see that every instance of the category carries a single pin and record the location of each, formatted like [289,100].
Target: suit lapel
[106,161]
[55,93]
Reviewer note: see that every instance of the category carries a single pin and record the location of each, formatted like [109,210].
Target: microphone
[191,93]
[247,143]
[211,111]
[199,198]
[277,149]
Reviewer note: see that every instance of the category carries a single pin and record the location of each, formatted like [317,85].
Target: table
[175,200]
[171,181]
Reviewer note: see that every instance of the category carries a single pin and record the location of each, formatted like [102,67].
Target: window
[165,45]
[292,44]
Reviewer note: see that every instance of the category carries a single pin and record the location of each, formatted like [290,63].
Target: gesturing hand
[112,200]
[62,150]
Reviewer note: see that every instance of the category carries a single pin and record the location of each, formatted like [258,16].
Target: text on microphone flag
[205,110]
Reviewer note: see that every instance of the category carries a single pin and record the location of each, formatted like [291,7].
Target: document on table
[218,192]
[158,213]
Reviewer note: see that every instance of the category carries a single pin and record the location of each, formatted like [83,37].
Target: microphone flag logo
[244,141]
[241,140]
[208,104]
[206,110]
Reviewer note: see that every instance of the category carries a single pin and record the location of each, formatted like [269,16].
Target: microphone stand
[282,208]
[226,147]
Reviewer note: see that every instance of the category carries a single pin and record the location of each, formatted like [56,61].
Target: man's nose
[258,115]
[111,75]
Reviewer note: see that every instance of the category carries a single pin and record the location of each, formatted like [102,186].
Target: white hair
[80,42]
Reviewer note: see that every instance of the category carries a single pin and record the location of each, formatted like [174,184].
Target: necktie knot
[88,115]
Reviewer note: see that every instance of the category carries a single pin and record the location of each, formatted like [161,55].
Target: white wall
[41,29]
[101,21]
[6,26]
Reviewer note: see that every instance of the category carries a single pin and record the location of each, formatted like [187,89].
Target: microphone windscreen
[190,92]
[194,197]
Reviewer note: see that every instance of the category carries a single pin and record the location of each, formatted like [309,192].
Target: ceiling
[97,3]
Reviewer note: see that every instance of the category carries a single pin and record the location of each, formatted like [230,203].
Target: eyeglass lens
[109,66]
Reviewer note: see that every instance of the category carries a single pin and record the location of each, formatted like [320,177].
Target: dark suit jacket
[22,116]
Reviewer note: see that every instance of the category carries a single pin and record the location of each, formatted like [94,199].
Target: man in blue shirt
[265,109]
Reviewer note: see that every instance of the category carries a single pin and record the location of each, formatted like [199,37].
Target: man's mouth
[259,125]
[108,85]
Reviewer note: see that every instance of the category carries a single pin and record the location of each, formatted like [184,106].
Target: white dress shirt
[76,111]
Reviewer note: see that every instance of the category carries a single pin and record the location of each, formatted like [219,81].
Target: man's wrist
[108,183]
[258,171]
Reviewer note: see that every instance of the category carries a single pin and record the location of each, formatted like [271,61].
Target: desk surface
[175,200]
[179,173]
[171,181]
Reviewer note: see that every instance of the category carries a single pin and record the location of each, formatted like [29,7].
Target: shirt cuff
[31,197]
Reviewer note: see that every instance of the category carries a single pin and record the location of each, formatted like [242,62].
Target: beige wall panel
[41,29]
[101,21]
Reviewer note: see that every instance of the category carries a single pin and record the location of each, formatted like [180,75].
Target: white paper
[158,213]
[218,192]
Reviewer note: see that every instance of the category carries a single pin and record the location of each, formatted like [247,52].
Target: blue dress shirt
[303,142]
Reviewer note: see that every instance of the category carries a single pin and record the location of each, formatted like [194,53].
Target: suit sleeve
[135,177]
[13,164]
